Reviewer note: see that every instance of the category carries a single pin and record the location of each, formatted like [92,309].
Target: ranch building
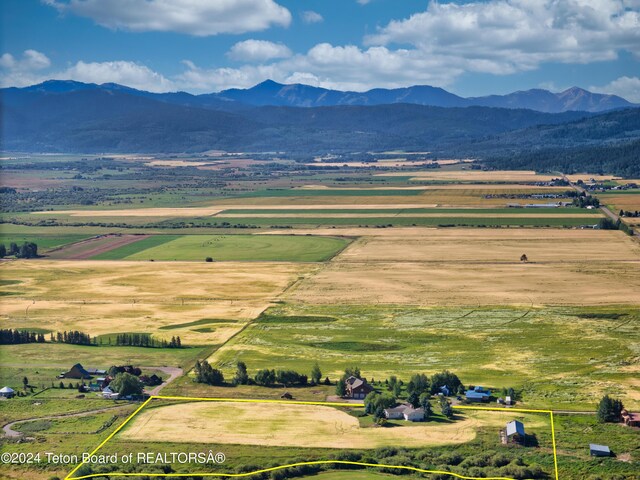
[630,419]
[404,412]
[357,388]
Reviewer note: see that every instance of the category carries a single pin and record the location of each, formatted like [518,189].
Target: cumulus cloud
[508,36]
[311,17]
[625,87]
[258,50]
[192,17]
[130,74]
[23,70]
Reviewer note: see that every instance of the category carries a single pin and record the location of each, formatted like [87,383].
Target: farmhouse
[7,392]
[630,419]
[404,412]
[110,394]
[478,394]
[596,450]
[357,388]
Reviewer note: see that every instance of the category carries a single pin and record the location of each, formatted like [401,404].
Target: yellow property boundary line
[318,462]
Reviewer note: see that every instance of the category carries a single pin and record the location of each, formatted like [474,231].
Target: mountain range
[270,93]
[65,116]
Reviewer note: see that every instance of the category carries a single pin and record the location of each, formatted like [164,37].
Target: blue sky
[469,48]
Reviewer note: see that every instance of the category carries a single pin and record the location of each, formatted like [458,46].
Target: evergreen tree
[316,373]
[241,378]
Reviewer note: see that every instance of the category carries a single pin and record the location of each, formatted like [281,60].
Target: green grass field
[557,357]
[283,248]
[44,241]
[136,247]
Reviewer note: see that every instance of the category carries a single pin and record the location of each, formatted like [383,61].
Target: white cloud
[363,2]
[125,73]
[258,50]
[192,17]
[24,70]
[625,87]
[508,36]
[311,17]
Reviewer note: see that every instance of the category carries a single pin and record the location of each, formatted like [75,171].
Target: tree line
[144,340]
[26,250]
[205,373]
[9,336]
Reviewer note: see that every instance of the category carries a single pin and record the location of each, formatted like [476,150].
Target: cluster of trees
[584,201]
[421,383]
[14,337]
[205,373]
[609,409]
[126,384]
[286,378]
[26,250]
[73,337]
[145,340]
[269,377]
[630,214]
[608,224]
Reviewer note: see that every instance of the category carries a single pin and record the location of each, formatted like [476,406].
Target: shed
[599,450]
[7,392]
[515,427]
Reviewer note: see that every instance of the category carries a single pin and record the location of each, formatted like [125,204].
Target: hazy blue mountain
[114,119]
[298,95]
[270,93]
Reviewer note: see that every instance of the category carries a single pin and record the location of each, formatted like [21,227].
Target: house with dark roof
[630,419]
[357,388]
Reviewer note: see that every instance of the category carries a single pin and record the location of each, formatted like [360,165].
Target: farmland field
[233,248]
[481,267]
[114,297]
[559,356]
[324,427]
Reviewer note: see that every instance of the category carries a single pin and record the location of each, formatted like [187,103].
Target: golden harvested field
[267,424]
[108,297]
[624,202]
[475,175]
[480,266]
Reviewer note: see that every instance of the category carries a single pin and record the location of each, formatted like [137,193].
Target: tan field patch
[478,266]
[109,297]
[267,424]
[138,212]
[625,202]
[177,163]
[481,283]
[475,175]
[586,177]
[493,245]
